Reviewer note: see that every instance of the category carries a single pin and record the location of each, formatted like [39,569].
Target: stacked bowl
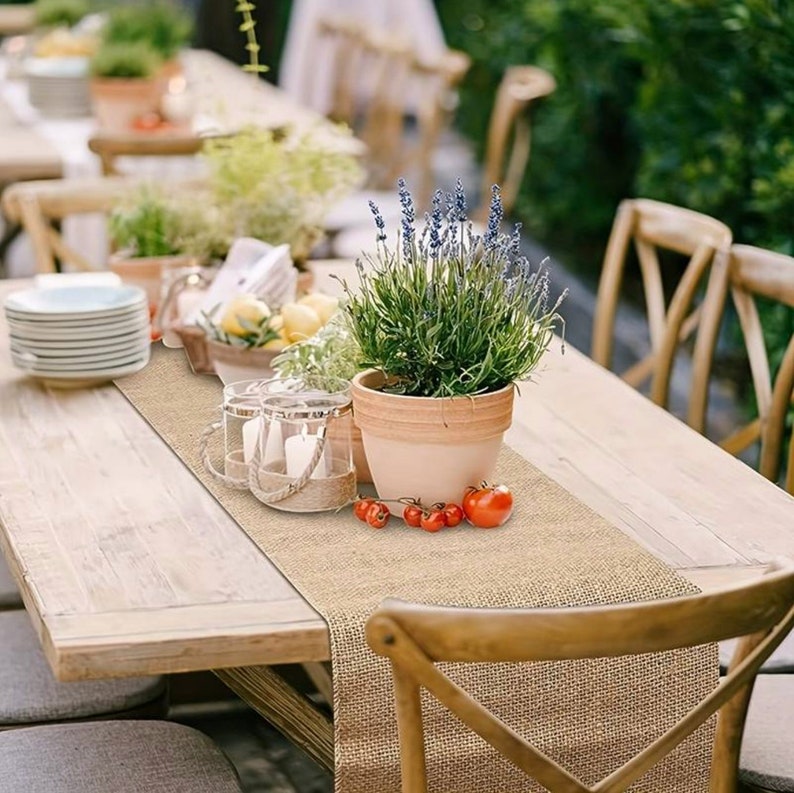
[79,335]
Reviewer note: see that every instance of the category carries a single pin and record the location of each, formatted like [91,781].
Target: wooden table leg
[287,710]
[320,675]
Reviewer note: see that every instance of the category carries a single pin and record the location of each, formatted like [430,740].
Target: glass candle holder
[304,459]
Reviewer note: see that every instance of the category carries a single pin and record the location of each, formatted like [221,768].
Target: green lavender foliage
[163,25]
[127,60]
[53,13]
[445,312]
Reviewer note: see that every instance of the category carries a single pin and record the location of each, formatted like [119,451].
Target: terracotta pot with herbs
[447,322]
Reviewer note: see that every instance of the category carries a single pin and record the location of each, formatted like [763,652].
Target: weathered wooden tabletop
[128,565]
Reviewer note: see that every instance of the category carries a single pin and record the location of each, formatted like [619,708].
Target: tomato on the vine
[412,515]
[378,515]
[488,506]
[361,507]
[433,520]
[453,514]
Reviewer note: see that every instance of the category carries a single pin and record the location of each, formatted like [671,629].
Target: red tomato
[488,506]
[361,507]
[378,515]
[412,515]
[146,122]
[453,513]
[434,520]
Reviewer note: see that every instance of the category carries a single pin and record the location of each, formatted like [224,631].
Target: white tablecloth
[305,71]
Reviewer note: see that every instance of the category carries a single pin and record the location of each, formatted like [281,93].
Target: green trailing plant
[248,26]
[163,25]
[125,60]
[277,188]
[332,352]
[60,13]
[444,312]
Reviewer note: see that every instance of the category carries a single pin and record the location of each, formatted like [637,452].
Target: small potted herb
[123,84]
[59,13]
[448,322]
[163,26]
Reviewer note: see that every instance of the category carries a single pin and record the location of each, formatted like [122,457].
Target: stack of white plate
[59,87]
[79,335]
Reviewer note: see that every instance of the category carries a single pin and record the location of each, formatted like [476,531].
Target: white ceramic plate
[79,320]
[60,380]
[73,302]
[32,363]
[33,332]
[81,347]
[28,358]
[84,372]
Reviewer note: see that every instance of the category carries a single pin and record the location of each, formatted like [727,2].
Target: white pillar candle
[299,450]
[251,430]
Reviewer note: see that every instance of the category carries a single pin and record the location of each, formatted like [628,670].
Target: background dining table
[35,146]
[180,587]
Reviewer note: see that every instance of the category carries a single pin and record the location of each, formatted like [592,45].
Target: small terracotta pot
[233,364]
[429,448]
[118,102]
[363,474]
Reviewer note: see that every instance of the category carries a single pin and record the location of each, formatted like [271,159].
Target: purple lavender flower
[380,223]
[435,224]
[491,236]
[408,217]
[460,202]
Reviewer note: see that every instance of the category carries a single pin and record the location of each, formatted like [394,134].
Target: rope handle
[274,496]
[229,481]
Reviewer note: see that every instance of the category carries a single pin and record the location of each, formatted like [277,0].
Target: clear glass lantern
[304,460]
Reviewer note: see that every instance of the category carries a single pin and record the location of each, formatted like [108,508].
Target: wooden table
[128,566]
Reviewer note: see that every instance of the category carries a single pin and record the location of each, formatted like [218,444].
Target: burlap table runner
[589,715]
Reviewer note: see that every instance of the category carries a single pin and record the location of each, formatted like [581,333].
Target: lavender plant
[445,312]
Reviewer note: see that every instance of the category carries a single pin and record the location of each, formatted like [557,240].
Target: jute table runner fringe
[589,715]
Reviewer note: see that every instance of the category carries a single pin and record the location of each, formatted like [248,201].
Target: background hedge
[686,101]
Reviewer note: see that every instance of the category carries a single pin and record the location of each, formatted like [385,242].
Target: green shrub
[124,60]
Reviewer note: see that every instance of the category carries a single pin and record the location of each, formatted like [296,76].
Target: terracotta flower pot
[429,448]
[118,102]
[233,364]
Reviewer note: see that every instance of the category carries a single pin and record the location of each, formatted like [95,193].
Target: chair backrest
[655,226]
[414,638]
[746,273]
[109,147]
[344,38]
[509,132]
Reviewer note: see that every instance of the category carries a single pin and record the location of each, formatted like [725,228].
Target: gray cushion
[768,745]
[9,594]
[782,660]
[29,692]
[113,757]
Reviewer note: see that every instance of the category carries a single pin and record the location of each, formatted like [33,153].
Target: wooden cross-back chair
[747,273]
[653,226]
[510,133]
[415,637]
[344,38]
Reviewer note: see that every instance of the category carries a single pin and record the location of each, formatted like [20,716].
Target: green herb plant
[332,352]
[257,334]
[127,60]
[152,223]
[445,312]
[275,187]
[60,13]
[163,25]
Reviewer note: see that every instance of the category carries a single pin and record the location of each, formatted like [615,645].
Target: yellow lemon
[247,308]
[324,305]
[300,322]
